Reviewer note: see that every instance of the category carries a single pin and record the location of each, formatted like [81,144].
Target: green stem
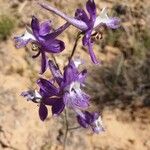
[66,131]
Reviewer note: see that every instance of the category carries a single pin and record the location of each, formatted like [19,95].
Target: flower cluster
[64,90]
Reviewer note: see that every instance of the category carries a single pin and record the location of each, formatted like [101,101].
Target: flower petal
[81,15]
[56,103]
[23,40]
[97,124]
[82,122]
[43,112]
[76,100]
[113,23]
[77,62]
[35,26]
[91,8]
[45,28]
[70,73]
[57,32]
[93,120]
[19,42]
[103,18]
[82,76]
[92,55]
[32,95]
[55,72]
[85,119]
[81,99]
[54,46]
[43,62]
[47,88]
[87,42]
[57,106]
[86,37]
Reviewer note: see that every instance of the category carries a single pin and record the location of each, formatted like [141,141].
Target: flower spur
[43,38]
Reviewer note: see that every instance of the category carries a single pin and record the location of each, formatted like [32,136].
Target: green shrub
[7,24]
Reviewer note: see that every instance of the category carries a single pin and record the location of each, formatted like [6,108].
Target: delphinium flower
[71,83]
[45,97]
[69,86]
[93,120]
[43,38]
[87,23]
[68,93]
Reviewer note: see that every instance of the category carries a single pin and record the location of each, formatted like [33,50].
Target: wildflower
[70,84]
[43,38]
[93,120]
[45,97]
[87,23]
[68,93]
[52,95]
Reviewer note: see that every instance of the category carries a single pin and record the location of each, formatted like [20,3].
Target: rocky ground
[120,87]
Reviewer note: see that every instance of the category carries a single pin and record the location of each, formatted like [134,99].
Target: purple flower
[87,23]
[44,37]
[49,91]
[70,84]
[93,120]
[68,92]
[45,96]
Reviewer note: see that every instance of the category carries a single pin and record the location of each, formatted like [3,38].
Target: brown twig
[74,128]
[75,45]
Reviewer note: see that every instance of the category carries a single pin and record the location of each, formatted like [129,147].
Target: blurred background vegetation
[7,25]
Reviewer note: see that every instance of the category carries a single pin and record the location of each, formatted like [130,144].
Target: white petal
[24,39]
[28,35]
[77,62]
[102,18]
[37,95]
[98,125]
